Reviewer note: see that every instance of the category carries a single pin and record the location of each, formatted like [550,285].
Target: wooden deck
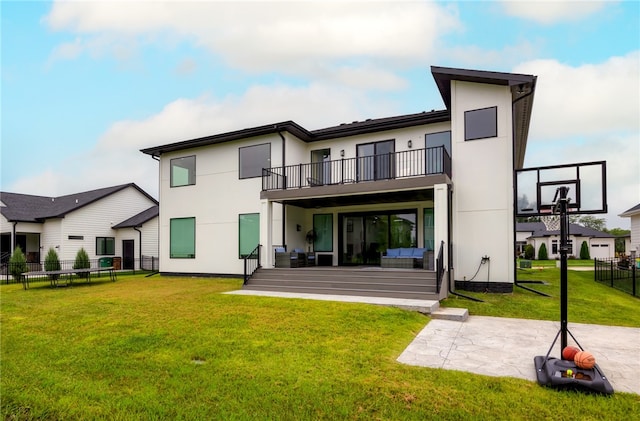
[359,281]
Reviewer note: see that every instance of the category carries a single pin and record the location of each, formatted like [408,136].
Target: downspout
[513,181]
[140,248]
[284,156]
[157,158]
[450,247]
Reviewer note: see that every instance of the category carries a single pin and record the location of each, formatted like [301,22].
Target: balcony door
[321,166]
[376,161]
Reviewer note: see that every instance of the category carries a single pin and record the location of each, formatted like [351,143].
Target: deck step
[373,282]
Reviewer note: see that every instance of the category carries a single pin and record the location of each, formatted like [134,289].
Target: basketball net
[551,222]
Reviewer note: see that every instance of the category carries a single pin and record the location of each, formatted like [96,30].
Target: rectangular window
[253,159]
[323,229]
[105,246]
[182,238]
[183,171]
[434,140]
[249,233]
[481,124]
[429,229]
[76,237]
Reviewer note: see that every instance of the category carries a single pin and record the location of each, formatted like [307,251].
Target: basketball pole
[564,247]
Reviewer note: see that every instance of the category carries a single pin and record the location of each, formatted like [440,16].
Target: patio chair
[285,259]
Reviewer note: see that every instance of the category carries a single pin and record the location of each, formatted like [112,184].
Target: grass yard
[588,301]
[175,348]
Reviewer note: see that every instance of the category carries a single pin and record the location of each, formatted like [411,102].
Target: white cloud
[593,99]
[315,39]
[590,113]
[552,11]
[116,158]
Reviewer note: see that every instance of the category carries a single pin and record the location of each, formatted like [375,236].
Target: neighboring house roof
[28,208]
[522,89]
[538,229]
[139,219]
[631,212]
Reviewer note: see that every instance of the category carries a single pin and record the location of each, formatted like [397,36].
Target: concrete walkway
[496,346]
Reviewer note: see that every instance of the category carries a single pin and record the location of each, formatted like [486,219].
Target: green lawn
[175,348]
[588,301]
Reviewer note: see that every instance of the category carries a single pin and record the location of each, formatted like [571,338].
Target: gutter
[139,247]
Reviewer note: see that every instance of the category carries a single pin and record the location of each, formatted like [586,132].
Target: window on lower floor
[429,229]
[323,229]
[105,246]
[182,238]
[248,233]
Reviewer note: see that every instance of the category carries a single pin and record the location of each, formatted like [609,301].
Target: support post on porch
[266,233]
[440,219]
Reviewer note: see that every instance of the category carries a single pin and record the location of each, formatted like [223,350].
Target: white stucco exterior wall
[482,176]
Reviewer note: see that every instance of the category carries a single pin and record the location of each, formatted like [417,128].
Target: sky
[86,84]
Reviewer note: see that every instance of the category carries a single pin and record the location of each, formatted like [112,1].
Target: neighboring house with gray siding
[634,214]
[119,221]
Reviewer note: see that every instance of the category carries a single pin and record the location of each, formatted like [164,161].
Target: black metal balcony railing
[412,163]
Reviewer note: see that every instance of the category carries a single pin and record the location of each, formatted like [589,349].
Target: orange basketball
[569,352]
[584,359]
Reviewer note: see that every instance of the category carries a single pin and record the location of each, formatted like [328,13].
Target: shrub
[52,262]
[529,252]
[18,264]
[584,251]
[542,252]
[82,262]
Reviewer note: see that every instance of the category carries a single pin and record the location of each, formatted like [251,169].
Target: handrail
[440,267]
[411,163]
[251,263]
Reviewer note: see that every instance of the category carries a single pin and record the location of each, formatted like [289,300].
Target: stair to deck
[367,282]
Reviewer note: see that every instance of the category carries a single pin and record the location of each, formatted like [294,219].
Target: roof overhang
[522,88]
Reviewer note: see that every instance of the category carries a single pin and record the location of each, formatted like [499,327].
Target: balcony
[366,169]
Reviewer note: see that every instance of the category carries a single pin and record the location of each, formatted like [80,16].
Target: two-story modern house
[413,181]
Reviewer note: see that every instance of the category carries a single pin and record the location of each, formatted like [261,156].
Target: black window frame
[483,133]
[256,172]
[192,175]
[105,241]
[172,253]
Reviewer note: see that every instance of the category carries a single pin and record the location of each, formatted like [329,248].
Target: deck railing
[411,163]
[251,263]
[440,267]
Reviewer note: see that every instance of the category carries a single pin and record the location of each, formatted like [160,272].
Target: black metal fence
[412,163]
[619,273]
[147,263]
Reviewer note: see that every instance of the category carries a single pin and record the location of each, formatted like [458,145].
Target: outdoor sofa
[407,258]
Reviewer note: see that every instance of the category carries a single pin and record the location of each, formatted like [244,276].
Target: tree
[584,251]
[52,262]
[82,262]
[542,252]
[598,224]
[18,264]
[529,252]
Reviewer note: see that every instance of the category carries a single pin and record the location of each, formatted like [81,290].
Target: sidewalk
[496,346]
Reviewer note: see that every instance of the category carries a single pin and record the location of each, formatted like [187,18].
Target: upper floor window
[253,159]
[376,161]
[434,140]
[183,171]
[481,124]
[105,246]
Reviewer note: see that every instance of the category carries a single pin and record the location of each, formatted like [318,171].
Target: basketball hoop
[551,222]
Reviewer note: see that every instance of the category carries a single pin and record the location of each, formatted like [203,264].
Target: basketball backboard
[586,182]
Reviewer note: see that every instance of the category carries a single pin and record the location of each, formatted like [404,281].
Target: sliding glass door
[376,161]
[364,236]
